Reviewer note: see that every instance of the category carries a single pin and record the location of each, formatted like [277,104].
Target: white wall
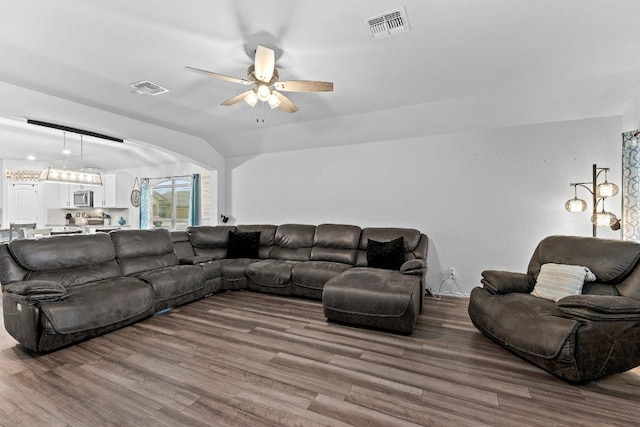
[484,198]
[631,116]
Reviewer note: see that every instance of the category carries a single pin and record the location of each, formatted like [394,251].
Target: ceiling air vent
[387,24]
[150,88]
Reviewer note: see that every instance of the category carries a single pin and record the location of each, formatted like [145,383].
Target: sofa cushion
[336,242]
[71,277]
[212,269]
[181,244]
[69,260]
[210,241]
[411,237]
[10,270]
[205,236]
[141,243]
[234,269]
[267,237]
[557,281]
[588,251]
[176,281]
[270,273]
[143,250]
[99,304]
[371,291]
[386,255]
[63,252]
[308,278]
[521,321]
[243,245]
[293,242]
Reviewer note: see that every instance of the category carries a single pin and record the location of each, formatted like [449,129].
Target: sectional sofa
[63,289]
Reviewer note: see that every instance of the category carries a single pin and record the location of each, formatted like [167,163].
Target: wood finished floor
[242,358]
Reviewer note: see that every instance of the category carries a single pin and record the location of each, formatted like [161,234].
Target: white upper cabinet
[104,196]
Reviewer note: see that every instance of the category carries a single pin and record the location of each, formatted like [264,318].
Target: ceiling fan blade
[304,86]
[236,99]
[218,76]
[285,103]
[265,63]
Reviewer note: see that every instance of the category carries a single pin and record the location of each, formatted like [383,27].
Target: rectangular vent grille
[387,24]
[150,88]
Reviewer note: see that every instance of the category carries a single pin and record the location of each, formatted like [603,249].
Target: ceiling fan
[264,76]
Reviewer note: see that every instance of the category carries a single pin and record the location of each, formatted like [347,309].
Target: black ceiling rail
[74,130]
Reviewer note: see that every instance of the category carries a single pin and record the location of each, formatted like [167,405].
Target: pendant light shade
[576,205]
[607,189]
[65,175]
[70,176]
[251,99]
[603,219]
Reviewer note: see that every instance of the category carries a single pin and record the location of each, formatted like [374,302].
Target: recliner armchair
[580,337]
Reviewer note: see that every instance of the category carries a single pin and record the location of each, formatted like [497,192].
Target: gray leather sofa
[579,337]
[64,289]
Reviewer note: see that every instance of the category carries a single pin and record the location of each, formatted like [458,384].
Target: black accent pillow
[387,255]
[243,245]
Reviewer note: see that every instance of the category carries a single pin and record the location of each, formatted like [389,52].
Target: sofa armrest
[36,290]
[504,282]
[416,267]
[600,307]
[195,259]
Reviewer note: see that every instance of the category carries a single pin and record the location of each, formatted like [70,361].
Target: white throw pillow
[556,281]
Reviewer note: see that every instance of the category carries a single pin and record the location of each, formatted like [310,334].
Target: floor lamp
[599,193]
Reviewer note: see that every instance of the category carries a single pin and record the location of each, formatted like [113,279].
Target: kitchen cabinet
[105,195]
[66,194]
[66,197]
[110,190]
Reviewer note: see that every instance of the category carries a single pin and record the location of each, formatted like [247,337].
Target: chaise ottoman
[372,297]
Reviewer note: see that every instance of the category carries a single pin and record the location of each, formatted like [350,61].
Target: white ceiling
[515,61]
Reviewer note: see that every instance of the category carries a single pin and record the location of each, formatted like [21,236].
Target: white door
[23,203]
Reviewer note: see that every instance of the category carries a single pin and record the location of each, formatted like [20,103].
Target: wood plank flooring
[243,358]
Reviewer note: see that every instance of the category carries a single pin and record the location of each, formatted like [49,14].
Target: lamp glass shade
[575,205]
[273,101]
[607,189]
[603,219]
[264,93]
[251,99]
[70,176]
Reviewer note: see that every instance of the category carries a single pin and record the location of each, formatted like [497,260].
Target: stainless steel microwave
[83,199]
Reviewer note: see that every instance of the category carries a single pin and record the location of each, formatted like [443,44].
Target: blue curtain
[194,207]
[145,203]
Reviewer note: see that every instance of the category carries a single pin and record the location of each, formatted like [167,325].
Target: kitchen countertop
[83,226]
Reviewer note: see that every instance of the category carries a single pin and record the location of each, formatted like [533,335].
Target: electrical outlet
[452,272]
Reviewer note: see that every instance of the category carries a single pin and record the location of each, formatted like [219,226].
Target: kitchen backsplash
[56,217]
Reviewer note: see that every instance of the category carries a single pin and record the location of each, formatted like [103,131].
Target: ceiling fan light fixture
[263,93]
[268,88]
[274,102]
[251,99]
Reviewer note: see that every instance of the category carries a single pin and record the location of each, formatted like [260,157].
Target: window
[170,201]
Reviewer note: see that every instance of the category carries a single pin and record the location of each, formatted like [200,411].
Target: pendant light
[71,176]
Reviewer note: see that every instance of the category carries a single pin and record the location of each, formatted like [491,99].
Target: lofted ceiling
[482,63]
